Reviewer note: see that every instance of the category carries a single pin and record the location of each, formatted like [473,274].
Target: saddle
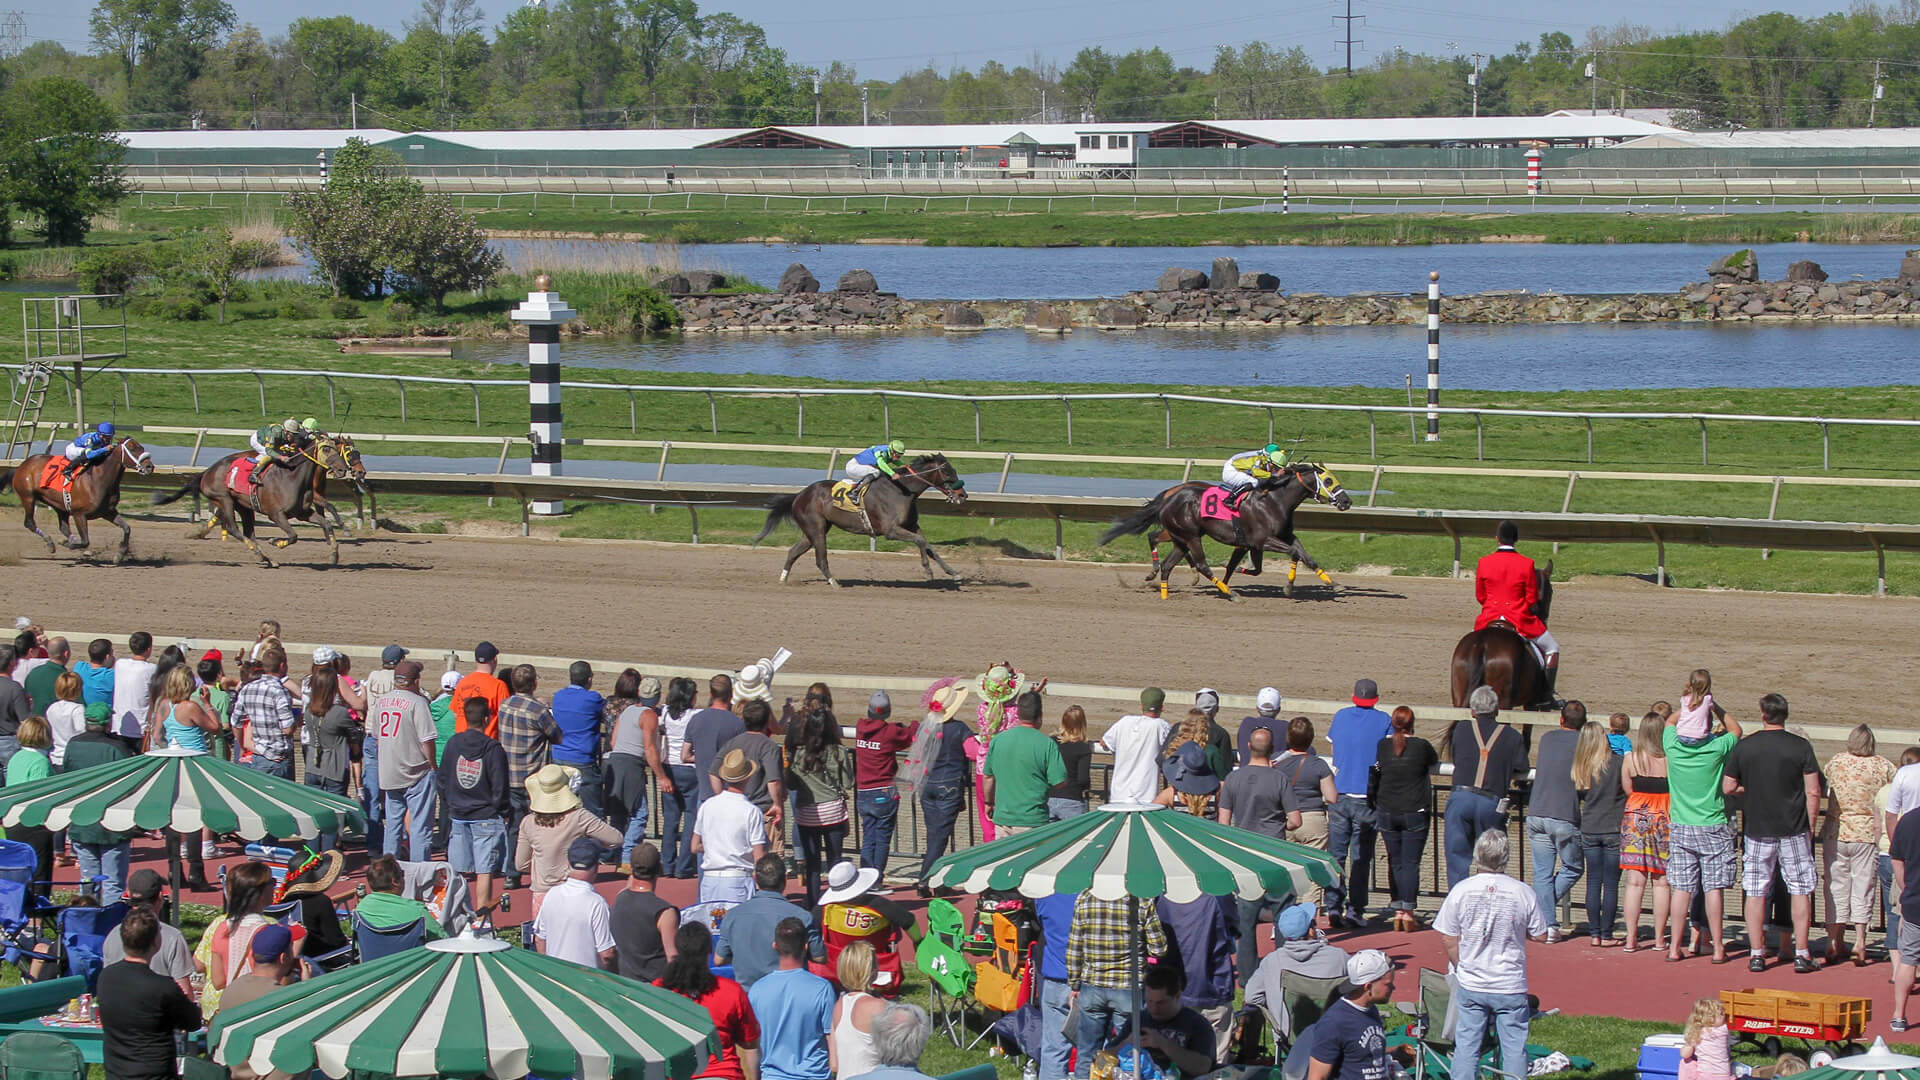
[240,476]
[846,496]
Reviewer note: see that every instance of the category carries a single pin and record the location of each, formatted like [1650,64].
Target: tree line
[666,63]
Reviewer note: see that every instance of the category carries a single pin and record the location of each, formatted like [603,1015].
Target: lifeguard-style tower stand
[71,338]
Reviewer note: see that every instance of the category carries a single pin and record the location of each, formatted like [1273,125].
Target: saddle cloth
[1539,654]
[240,476]
[53,476]
[843,496]
[1217,503]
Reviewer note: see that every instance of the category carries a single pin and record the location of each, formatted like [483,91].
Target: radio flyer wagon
[1761,1018]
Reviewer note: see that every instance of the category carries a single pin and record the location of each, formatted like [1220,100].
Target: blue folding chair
[83,938]
[373,942]
[22,913]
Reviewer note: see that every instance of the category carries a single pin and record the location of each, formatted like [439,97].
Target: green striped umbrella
[1124,849]
[182,790]
[464,1008]
[1878,1063]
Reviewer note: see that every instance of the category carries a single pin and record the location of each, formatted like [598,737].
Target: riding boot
[1553,674]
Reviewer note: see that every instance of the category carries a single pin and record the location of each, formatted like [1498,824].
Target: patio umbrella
[180,791]
[468,1007]
[1878,1063]
[1137,852]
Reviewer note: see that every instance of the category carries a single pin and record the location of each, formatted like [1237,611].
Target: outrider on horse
[283,493]
[1498,656]
[888,508]
[1188,513]
[89,492]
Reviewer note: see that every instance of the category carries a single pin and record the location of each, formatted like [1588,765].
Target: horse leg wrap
[1324,577]
[1163,590]
[1222,586]
[1293,571]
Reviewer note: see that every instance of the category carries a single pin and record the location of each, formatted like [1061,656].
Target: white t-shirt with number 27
[403,724]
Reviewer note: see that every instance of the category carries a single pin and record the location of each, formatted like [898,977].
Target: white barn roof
[1428,130]
[613,139]
[303,139]
[1792,139]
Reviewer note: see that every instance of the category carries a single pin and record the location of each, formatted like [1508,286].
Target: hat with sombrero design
[310,873]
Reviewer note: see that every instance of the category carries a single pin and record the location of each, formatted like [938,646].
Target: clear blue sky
[883,40]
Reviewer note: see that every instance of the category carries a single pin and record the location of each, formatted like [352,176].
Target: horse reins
[144,458]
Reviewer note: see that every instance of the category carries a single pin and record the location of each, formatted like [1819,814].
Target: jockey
[1508,586]
[89,449]
[1253,469]
[273,442]
[880,459]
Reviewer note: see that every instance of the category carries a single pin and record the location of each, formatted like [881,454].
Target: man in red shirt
[482,683]
[876,742]
[1507,585]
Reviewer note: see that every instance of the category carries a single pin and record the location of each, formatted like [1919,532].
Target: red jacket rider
[1507,585]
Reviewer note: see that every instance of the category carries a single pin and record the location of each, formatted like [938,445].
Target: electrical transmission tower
[13,33]
[1349,40]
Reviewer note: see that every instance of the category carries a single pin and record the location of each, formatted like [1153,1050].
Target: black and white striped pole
[1286,188]
[1433,355]
[544,313]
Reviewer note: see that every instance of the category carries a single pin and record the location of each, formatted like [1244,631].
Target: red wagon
[1764,1017]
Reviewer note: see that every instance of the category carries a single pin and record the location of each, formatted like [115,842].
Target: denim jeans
[593,795]
[1246,957]
[1055,1050]
[370,800]
[1062,809]
[1889,904]
[1469,813]
[411,808]
[282,768]
[1506,1014]
[326,841]
[516,813]
[635,833]
[820,849]
[1350,829]
[1406,840]
[1550,838]
[1103,1011]
[1602,858]
[879,808]
[939,808]
[105,861]
[676,823]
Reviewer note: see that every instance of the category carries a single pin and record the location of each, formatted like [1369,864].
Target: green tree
[342,226]
[434,249]
[328,62]
[59,158]
[161,46]
[1082,80]
[657,33]
[217,261]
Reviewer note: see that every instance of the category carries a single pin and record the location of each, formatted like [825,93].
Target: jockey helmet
[291,424]
[310,424]
[106,429]
[1272,450]
[897,447]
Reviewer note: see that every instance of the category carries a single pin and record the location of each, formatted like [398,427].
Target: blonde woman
[1191,776]
[1850,843]
[1069,798]
[850,1041]
[1596,779]
[1644,830]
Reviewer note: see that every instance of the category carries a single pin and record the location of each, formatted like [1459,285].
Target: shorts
[1909,943]
[1700,858]
[478,847]
[1792,854]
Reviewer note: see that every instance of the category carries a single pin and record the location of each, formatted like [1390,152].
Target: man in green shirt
[383,908]
[1701,848]
[1021,765]
[39,682]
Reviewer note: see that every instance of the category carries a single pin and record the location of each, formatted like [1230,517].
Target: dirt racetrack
[1839,659]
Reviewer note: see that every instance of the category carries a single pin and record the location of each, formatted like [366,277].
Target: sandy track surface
[1627,642]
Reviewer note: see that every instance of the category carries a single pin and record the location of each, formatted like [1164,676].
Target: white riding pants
[75,451]
[1234,479]
[1548,647]
[858,471]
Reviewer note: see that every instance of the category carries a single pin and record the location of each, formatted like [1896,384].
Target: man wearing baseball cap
[172,956]
[481,682]
[404,724]
[273,967]
[1355,733]
[100,851]
[380,680]
[1266,709]
[1348,1041]
[1299,948]
[877,742]
[574,922]
[1135,741]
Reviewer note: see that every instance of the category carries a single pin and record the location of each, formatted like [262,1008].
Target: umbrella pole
[175,872]
[1139,977]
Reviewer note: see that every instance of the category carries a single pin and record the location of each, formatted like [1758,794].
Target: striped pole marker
[544,313]
[1433,355]
[1533,170]
[1286,188]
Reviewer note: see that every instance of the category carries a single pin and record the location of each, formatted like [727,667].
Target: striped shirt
[265,706]
[527,733]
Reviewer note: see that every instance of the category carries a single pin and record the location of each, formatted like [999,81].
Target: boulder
[1806,270]
[1116,317]
[1225,274]
[857,281]
[1261,280]
[1180,279]
[1049,319]
[961,318]
[797,279]
[1697,294]
[673,284]
[1740,265]
[1910,266]
[701,282]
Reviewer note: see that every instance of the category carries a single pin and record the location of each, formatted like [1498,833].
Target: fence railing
[800,395]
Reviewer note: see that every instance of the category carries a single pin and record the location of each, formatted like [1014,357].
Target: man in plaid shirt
[268,711]
[1100,975]
[527,734]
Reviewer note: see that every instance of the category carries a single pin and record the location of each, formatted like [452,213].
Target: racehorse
[95,493]
[342,445]
[1188,513]
[285,492]
[1499,657]
[892,511]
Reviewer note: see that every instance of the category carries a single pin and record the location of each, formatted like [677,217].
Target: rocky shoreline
[1184,298]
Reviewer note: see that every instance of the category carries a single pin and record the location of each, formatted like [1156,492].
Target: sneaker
[1553,935]
[209,850]
[1757,964]
[1898,1023]
[1804,965]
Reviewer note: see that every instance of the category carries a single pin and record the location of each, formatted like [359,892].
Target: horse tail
[1137,522]
[780,509]
[163,498]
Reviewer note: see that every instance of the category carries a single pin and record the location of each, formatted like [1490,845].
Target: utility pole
[1473,80]
[1349,40]
[863,106]
[816,100]
[1593,84]
[353,106]
[1873,103]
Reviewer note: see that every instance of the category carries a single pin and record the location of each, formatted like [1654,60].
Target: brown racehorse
[1266,520]
[286,493]
[891,509]
[1499,657]
[349,454]
[335,455]
[96,494]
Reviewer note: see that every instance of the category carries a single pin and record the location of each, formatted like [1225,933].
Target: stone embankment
[1188,298]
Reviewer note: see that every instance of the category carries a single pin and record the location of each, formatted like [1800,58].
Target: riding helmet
[310,424]
[898,446]
[106,428]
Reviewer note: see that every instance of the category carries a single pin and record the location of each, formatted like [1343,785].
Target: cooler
[1660,1057]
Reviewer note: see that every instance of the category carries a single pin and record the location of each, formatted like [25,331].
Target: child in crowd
[1617,738]
[1697,710]
[1706,1054]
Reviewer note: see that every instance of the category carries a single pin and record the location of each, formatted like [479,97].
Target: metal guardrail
[1167,401]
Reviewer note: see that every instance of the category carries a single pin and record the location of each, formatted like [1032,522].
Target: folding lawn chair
[1305,999]
[83,938]
[292,913]
[33,1055]
[949,973]
[374,942]
[23,915]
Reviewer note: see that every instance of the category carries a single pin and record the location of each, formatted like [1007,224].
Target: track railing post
[263,393]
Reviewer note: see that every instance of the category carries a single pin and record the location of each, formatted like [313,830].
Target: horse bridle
[953,494]
[1325,485]
[342,471]
[143,462]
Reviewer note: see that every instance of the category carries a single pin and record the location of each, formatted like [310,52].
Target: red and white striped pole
[1533,170]
[1433,355]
